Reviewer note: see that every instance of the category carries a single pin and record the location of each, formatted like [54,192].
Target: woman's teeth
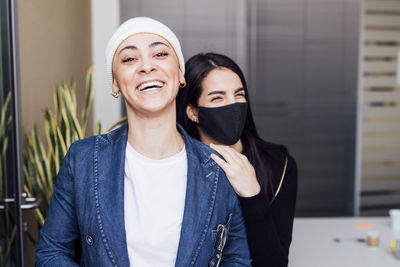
[149,85]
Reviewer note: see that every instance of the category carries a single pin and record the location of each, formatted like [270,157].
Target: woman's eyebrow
[158,43]
[223,92]
[128,47]
[216,92]
[135,47]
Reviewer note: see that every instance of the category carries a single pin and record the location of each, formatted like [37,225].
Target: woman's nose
[147,65]
[230,100]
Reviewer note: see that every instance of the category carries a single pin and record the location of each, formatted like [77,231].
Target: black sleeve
[269,227]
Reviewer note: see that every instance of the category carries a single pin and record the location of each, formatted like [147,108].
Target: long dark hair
[256,149]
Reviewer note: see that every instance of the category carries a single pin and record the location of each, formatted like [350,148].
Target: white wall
[105,19]
[201,26]
[53,47]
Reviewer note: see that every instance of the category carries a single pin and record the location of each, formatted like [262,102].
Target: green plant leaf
[98,128]
[89,99]
[42,159]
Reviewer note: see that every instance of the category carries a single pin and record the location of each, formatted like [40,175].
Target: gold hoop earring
[182,85]
[115,94]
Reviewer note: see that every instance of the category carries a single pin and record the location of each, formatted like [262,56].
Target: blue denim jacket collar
[202,180]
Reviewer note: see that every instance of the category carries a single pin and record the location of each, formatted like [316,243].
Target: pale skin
[219,88]
[144,59]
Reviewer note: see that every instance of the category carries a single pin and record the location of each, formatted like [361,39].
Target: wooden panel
[387,199]
[381,35]
[381,51]
[380,171]
[394,119]
[381,126]
[374,212]
[392,183]
[381,148]
[375,156]
[379,81]
[382,20]
[381,163]
[381,96]
[385,134]
[380,142]
[379,66]
[381,112]
[383,5]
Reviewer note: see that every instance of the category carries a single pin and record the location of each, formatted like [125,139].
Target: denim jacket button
[89,240]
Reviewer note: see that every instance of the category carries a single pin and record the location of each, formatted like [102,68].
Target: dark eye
[216,98]
[240,95]
[128,59]
[161,54]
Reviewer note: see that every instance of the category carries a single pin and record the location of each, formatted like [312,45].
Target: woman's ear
[182,81]
[181,75]
[192,113]
[115,87]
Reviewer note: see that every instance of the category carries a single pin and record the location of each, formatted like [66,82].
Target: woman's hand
[238,170]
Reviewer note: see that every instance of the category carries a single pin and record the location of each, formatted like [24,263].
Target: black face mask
[224,124]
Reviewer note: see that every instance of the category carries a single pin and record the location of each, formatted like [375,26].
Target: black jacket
[269,226]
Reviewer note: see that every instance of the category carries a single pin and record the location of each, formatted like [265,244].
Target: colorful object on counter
[338,240]
[395,247]
[365,225]
[373,238]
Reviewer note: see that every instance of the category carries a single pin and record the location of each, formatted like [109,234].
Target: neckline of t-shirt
[176,157]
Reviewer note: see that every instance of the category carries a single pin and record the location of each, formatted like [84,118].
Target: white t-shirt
[154,201]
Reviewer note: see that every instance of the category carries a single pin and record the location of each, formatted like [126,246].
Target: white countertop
[313,244]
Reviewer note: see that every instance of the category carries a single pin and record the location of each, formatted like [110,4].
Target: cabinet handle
[29,202]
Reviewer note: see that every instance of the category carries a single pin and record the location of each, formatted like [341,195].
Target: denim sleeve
[60,231]
[236,251]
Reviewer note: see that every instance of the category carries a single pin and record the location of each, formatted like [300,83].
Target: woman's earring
[115,94]
[195,120]
[182,85]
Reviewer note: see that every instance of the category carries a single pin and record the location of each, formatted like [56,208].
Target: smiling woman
[146,194]
[146,72]
[215,108]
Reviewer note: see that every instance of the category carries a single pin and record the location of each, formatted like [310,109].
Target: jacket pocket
[215,232]
[219,236]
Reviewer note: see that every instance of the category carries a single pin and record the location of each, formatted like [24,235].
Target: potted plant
[63,126]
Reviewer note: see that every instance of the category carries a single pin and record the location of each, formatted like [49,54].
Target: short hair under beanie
[141,25]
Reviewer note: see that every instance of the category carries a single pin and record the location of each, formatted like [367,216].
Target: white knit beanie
[141,25]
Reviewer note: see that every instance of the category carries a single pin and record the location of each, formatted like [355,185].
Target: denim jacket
[88,204]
